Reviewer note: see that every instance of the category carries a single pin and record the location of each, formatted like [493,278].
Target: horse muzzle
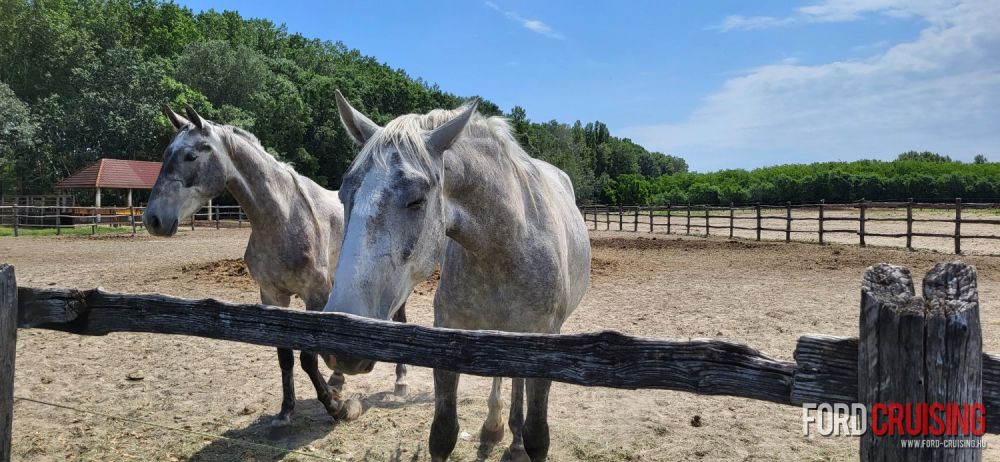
[160,226]
[350,365]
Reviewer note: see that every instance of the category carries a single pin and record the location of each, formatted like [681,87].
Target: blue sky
[725,84]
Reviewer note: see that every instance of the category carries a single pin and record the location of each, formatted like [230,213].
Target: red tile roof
[114,173]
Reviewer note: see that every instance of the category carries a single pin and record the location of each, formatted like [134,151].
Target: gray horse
[454,187]
[296,236]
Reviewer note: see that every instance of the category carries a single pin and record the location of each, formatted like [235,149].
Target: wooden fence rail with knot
[707,220]
[912,349]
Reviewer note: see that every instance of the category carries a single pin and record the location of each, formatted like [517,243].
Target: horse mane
[405,134]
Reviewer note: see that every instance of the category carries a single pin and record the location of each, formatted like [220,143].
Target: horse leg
[444,428]
[338,409]
[402,389]
[536,426]
[286,360]
[492,431]
[516,422]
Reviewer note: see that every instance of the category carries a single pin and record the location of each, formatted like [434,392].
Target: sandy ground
[765,294]
[805,226]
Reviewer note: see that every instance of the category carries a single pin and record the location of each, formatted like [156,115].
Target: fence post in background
[93,221]
[708,226]
[909,224]
[669,216]
[757,207]
[635,220]
[194,216]
[688,210]
[651,218]
[732,214]
[217,217]
[788,221]
[58,222]
[131,218]
[621,217]
[607,218]
[822,202]
[15,219]
[239,218]
[958,226]
[902,335]
[861,224]
[8,344]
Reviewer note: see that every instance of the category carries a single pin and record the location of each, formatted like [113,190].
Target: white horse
[454,187]
[297,230]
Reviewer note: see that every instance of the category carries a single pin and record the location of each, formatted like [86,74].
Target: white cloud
[940,91]
[839,11]
[751,22]
[530,24]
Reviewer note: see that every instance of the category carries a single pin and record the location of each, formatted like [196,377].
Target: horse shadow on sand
[261,442]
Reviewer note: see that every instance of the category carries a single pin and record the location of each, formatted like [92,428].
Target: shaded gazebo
[113,174]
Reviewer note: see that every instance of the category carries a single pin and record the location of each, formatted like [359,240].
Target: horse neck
[487,203]
[258,181]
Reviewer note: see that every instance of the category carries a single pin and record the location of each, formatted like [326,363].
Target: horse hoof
[491,436]
[350,409]
[517,455]
[402,389]
[281,421]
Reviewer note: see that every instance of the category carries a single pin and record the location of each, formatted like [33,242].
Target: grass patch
[6,231]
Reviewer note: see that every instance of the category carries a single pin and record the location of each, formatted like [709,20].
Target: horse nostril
[154,222]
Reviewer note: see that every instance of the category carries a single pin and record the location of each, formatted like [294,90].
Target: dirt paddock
[762,293]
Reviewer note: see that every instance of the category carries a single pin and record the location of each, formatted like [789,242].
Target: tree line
[85,79]
[924,176]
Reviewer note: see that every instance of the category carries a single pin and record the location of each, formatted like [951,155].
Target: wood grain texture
[597,359]
[8,344]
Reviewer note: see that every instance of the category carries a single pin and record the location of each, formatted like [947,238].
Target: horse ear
[194,117]
[360,127]
[175,118]
[442,137]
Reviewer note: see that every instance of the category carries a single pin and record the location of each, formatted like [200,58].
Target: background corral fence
[824,220]
[912,349]
[22,219]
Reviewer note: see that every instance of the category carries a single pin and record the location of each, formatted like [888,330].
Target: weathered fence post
[635,220]
[909,224]
[651,218]
[958,226]
[732,212]
[93,221]
[607,218]
[669,216]
[239,217]
[131,217]
[58,222]
[621,217]
[861,224]
[217,217]
[788,221]
[15,219]
[757,207]
[8,343]
[688,210]
[914,350]
[708,226]
[822,202]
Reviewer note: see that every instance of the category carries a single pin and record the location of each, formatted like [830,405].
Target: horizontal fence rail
[826,369]
[708,220]
[20,218]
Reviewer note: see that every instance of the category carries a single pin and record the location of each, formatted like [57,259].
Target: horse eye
[415,204]
[190,157]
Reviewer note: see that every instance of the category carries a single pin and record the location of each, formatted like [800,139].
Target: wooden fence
[683,218]
[900,332]
[21,217]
